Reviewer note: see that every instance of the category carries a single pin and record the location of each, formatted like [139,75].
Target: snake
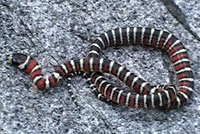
[160,39]
[146,95]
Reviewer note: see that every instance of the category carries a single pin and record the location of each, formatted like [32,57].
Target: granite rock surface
[54,31]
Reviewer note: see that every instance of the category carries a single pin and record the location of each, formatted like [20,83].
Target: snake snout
[16,59]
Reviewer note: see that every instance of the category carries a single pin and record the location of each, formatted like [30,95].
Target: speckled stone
[54,31]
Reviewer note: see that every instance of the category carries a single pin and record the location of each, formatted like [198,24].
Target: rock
[57,31]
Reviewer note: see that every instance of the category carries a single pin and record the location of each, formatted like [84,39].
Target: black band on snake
[146,96]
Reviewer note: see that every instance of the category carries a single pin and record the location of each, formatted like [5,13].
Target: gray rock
[56,31]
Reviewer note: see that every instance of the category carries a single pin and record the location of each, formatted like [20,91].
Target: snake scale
[145,94]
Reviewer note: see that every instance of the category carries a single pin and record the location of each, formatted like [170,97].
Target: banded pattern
[31,66]
[155,38]
[146,95]
[121,97]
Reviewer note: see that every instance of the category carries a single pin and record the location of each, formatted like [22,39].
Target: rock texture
[54,31]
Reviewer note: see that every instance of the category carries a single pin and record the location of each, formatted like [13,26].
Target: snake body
[160,39]
[146,95]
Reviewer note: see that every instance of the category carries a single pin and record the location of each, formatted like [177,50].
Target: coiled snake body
[146,95]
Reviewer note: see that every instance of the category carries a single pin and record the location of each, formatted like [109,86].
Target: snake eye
[16,59]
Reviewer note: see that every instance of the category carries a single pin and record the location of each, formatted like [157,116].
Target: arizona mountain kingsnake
[146,95]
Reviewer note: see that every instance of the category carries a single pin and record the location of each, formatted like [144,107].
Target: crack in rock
[179,15]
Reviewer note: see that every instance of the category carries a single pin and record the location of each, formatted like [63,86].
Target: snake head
[16,59]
